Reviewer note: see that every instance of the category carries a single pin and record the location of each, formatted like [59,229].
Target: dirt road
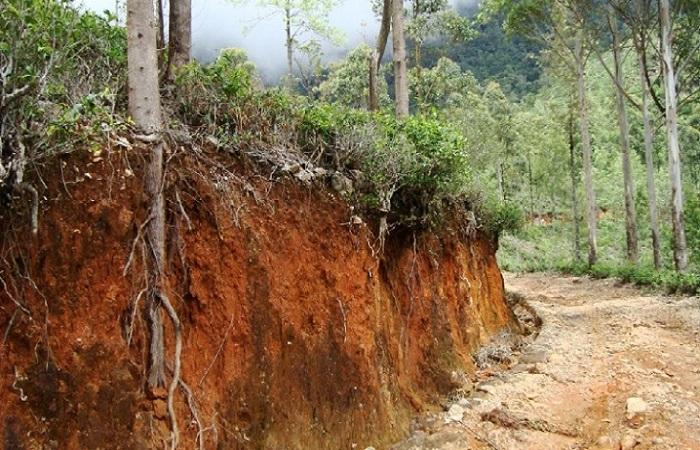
[613,367]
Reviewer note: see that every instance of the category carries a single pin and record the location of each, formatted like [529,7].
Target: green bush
[500,217]
[62,62]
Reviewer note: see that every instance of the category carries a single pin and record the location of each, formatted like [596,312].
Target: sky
[218,24]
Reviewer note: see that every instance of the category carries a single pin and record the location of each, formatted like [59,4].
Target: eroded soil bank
[296,333]
[613,368]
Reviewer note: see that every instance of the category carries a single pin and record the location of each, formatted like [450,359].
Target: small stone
[636,406]
[604,441]
[305,176]
[341,183]
[536,357]
[320,172]
[160,409]
[213,140]
[291,168]
[455,413]
[628,442]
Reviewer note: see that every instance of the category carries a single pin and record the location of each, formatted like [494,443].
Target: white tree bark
[591,207]
[680,253]
[145,109]
[142,59]
[649,160]
[628,178]
[400,66]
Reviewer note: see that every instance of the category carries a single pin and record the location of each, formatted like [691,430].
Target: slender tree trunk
[180,35]
[591,208]
[400,72]
[628,178]
[680,253]
[499,180]
[649,159]
[145,109]
[574,184]
[160,40]
[289,41]
[377,56]
[530,185]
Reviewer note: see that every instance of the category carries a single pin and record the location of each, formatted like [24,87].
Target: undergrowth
[409,172]
[549,247]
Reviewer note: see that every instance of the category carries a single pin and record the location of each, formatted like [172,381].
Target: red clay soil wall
[295,335]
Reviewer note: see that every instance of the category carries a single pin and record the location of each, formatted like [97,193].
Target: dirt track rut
[612,368]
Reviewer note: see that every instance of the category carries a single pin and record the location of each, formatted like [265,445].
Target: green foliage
[547,247]
[692,224]
[431,19]
[502,217]
[491,55]
[441,86]
[205,94]
[347,82]
[58,63]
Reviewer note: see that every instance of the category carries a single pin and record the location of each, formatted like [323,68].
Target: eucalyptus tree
[603,25]
[301,18]
[179,35]
[378,53]
[430,19]
[145,110]
[556,24]
[398,38]
[392,18]
[680,252]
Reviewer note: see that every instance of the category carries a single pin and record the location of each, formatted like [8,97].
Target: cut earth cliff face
[297,333]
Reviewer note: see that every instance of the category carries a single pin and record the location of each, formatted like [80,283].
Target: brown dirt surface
[295,334]
[601,345]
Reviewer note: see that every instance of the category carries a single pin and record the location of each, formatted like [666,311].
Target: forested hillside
[192,258]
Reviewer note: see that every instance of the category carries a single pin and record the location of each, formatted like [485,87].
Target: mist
[218,24]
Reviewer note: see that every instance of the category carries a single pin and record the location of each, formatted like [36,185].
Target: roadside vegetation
[584,158]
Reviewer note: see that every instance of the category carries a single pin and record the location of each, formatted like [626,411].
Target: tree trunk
[289,42]
[574,193]
[144,108]
[649,159]
[591,208]
[499,181]
[400,72]
[142,59]
[530,184]
[680,255]
[160,37]
[628,178]
[180,36]
[377,56]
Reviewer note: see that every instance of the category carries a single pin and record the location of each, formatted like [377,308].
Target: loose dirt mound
[296,335]
[613,368]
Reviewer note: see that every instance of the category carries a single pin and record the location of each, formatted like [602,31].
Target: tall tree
[378,54]
[145,109]
[180,35]
[400,65]
[680,253]
[556,24]
[628,179]
[300,18]
[591,207]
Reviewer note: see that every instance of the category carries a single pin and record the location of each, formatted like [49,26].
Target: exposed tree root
[175,381]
